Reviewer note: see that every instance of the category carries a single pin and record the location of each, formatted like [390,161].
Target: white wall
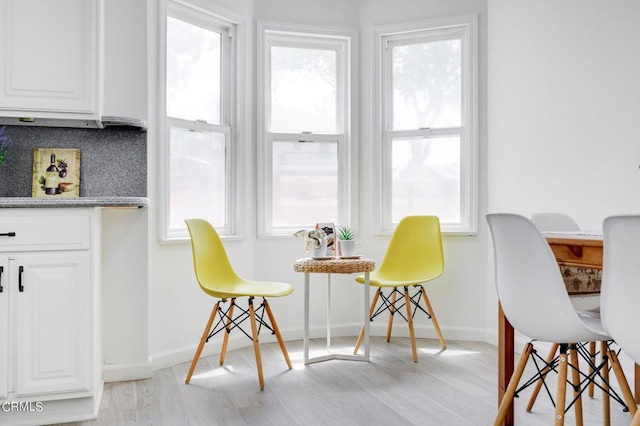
[564,102]
[124,294]
[125,64]
[125,232]
[564,107]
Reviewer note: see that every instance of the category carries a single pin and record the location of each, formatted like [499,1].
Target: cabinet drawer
[36,233]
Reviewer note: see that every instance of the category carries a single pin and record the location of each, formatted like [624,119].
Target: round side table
[330,266]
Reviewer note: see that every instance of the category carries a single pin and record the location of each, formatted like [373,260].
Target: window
[304,144]
[199,141]
[427,124]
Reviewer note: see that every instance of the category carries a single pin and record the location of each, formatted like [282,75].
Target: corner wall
[178,309]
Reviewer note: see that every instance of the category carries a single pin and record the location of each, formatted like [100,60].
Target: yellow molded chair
[414,257]
[218,279]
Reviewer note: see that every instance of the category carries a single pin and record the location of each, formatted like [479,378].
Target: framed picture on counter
[56,172]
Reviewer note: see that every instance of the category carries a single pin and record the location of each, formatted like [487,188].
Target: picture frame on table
[329,229]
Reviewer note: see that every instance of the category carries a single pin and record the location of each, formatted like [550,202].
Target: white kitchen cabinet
[49,334]
[52,311]
[50,58]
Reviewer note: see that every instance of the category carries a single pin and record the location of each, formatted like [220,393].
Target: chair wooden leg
[606,406]
[412,333]
[622,382]
[276,330]
[592,356]
[433,318]
[256,343]
[562,385]
[544,372]
[227,332]
[392,311]
[575,381]
[203,340]
[636,419]
[371,311]
[507,399]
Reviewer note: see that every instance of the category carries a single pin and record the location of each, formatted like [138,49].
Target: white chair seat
[593,322]
[587,302]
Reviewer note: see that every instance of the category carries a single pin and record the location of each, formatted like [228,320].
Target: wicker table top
[334,265]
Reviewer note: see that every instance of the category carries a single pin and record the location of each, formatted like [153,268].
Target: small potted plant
[345,233]
[5,144]
[347,245]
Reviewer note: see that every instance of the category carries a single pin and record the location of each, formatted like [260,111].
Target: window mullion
[426,132]
[306,137]
[198,125]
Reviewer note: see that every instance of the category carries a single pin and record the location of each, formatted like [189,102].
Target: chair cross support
[395,305]
[233,322]
[579,381]
[593,378]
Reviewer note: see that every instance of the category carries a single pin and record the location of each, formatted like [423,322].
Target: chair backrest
[550,222]
[211,264]
[415,251]
[620,292]
[529,284]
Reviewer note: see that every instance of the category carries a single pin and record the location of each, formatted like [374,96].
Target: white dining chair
[620,294]
[533,297]
[554,222]
[562,222]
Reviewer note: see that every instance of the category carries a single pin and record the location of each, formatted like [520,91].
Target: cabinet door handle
[1,271]
[20,286]
[8,234]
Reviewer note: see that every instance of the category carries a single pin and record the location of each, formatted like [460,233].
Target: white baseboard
[123,372]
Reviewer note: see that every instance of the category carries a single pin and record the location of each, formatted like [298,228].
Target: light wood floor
[452,387]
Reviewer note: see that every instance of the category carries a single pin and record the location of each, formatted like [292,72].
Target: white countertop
[29,202]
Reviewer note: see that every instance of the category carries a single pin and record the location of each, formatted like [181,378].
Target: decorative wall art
[56,172]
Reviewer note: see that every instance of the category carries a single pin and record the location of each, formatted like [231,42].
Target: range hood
[105,121]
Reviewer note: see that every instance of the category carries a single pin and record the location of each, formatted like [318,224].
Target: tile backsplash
[113,160]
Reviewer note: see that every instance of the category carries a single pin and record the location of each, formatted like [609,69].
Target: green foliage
[5,144]
[345,233]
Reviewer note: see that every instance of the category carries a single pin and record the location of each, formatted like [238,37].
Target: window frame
[231,28]
[464,28]
[343,42]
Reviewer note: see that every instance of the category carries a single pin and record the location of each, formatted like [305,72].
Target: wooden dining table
[571,249]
